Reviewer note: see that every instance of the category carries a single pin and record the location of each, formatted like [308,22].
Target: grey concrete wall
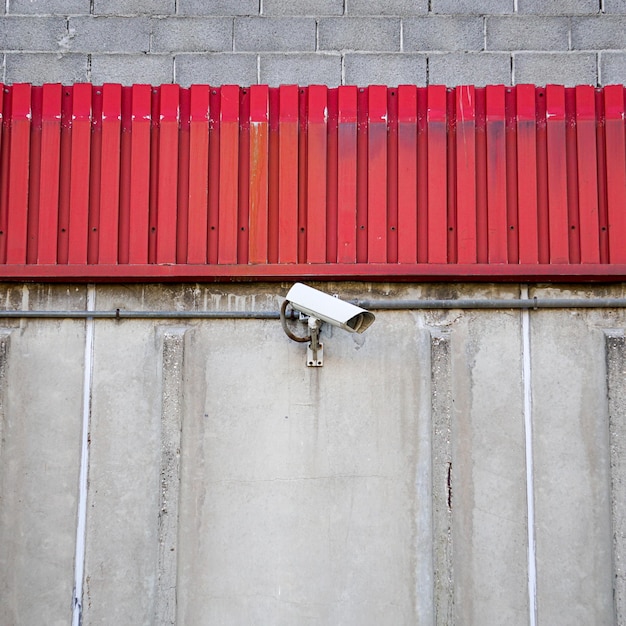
[230,484]
[314,41]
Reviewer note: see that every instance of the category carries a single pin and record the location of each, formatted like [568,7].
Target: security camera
[322,307]
[329,309]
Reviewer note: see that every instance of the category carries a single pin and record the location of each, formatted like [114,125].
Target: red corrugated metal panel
[154,183]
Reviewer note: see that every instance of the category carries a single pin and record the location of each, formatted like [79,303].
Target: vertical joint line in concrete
[343,68]
[442,478]
[401,35]
[4,68]
[258,69]
[512,69]
[484,33]
[260,7]
[428,70]
[528,437]
[169,476]
[91,6]
[515,6]
[5,342]
[89,61]
[83,476]
[598,70]
[569,34]
[317,35]
[615,349]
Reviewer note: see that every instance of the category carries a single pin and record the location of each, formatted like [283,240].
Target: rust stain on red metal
[229,183]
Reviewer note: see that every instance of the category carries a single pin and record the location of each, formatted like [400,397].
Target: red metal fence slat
[347,174]
[615,171]
[377,175]
[587,174]
[437,180]
[316,173]
[496,174]
[110,174]
[374,181]
[527,174]
[49,174]
[140,174]
[407,174]
[466,173]
[19,170]
[259,174]
[288,178]
[168,175]
[228,179]
[557,174]
[197,222]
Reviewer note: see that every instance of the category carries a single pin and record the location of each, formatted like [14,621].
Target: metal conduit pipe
[376,305]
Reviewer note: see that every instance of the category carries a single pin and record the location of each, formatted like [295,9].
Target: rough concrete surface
[230,484]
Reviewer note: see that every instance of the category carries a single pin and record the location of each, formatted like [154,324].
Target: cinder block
[216,69]
[385,69]
[471,68]
[615,6]
[192,34]
[472,7]
[565,68]
[612,68]
[46,68]
[302,69]
[49,7]
[443,33]
[110,34]
[527,33]
[28,34]
[303,7]
[558,7]
[134,7]
[218,7]
[274,34]
[155,69]
[599,33]
[387,7]
[359,33]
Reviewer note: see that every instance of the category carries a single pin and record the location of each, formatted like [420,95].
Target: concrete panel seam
[169,487]
[615,354]
[83,479]
[528,451]
[442,477]
[5,343]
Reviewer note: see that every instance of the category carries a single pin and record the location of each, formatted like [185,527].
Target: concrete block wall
[314,41]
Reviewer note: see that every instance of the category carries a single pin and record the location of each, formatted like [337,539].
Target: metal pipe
[474,303]
[121,314]
[377,305]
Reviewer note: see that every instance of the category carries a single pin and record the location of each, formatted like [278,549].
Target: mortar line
[81,524]
[530,488]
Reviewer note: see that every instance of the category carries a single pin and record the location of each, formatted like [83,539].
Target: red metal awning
[404,183]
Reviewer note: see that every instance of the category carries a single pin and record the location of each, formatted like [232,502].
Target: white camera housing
[329,309]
